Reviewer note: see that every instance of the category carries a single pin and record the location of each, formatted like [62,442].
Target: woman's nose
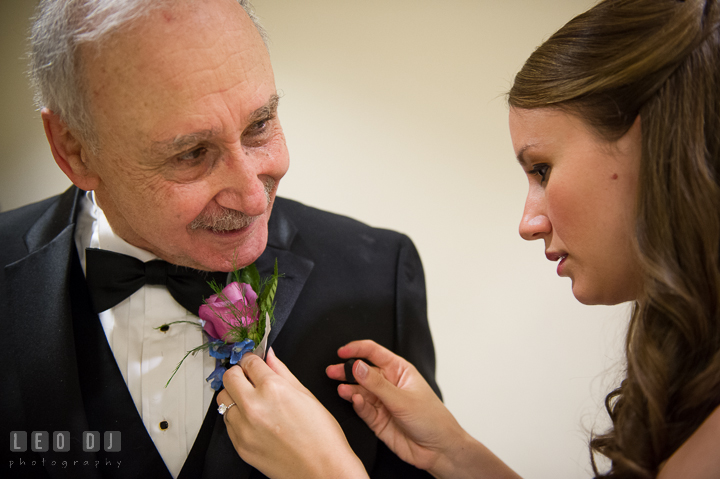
[534,223]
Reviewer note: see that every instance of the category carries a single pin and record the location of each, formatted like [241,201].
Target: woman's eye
[542,170]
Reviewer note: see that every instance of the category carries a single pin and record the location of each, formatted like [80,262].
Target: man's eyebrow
[182,142]
[268,110]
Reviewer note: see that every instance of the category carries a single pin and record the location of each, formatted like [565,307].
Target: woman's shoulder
[698,456]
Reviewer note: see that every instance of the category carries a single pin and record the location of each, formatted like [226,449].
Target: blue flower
[216,377]
[240,348]
[219,349]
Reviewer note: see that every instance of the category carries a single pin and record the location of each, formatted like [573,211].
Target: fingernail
[361,370]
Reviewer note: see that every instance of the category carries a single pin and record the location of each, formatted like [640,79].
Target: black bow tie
[112,277]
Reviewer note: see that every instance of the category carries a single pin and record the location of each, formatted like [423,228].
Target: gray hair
[60,27]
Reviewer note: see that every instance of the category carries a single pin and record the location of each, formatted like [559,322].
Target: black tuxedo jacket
[342,281]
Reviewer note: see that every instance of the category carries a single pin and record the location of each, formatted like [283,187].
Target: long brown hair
[659,59]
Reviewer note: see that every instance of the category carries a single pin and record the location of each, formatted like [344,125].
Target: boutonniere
[236,319]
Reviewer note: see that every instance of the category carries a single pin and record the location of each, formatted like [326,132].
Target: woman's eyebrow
[521,154]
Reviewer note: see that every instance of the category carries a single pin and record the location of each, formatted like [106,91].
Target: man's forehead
[182,77]
[209,25]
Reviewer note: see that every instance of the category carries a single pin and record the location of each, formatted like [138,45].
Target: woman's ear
[69,153]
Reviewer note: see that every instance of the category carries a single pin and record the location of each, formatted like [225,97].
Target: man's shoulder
[15,225]
[25,215]
[324,227]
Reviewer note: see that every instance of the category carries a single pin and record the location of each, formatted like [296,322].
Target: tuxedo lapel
[45,347]
[70,364]
[221,456]
[107,401]
[37,289]
[213,453]
[295,269]
[48,285]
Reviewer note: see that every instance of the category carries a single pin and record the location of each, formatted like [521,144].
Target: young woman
[616,121]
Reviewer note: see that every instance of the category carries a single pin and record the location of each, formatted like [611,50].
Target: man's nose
[243,180]
[534,223]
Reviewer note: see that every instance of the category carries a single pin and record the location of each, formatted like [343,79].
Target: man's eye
[192,164]
[258,133]
[542,170]
[259,127]
[193,155]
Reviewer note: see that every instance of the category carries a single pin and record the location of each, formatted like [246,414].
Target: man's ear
[69,153]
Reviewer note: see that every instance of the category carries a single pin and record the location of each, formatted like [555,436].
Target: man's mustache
[227,219]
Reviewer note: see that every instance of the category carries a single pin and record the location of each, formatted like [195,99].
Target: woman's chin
[592,297]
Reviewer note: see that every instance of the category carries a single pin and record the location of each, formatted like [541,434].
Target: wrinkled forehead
[173,58]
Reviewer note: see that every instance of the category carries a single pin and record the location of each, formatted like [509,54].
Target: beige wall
[394,114]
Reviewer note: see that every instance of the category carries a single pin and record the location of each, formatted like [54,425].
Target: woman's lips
[553,256]
[561,265]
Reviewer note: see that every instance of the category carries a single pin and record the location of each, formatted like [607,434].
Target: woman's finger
[373,380]
[336,372]
[365,349]
[237,383]
[255,368]
[224,398]
[364,408]
[369,350]
[279,367]
[347,391]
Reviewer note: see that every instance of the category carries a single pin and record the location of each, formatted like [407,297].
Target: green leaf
[217,288]
[250,275]
[193,351]
[264,288]
[257,331]
[267,297]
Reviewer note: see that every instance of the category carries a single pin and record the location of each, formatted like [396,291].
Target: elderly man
[163,114]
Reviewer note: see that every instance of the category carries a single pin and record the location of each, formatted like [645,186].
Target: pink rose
[236,306]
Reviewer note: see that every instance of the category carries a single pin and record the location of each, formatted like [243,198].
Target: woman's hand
[405,413]
[278,426]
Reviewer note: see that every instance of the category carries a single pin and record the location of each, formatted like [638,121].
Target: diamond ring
[222,409]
